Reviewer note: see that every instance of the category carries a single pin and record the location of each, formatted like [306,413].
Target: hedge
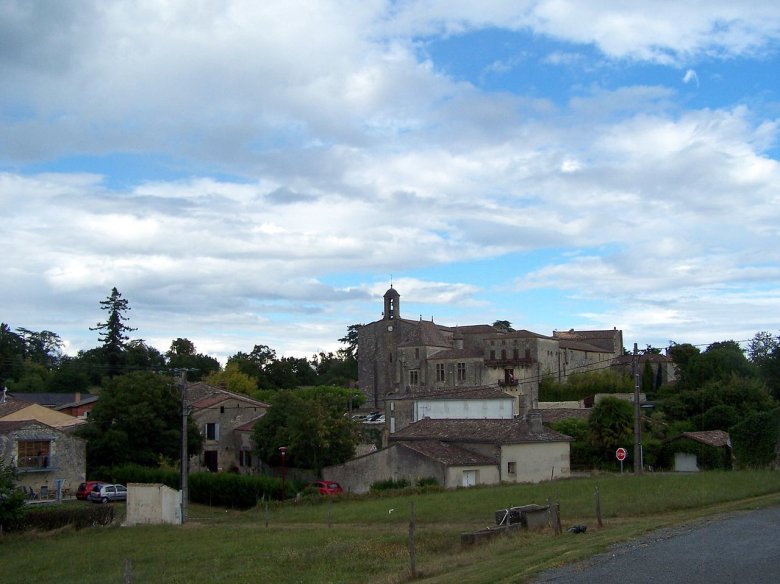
[235,490]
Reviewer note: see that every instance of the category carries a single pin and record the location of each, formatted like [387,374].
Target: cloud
[690,76]
[312,150]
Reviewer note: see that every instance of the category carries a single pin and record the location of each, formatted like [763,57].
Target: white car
[106,493]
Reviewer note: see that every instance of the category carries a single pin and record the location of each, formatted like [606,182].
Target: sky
[260,172]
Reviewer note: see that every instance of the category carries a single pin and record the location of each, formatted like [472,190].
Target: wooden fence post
[412,550]
[598,506]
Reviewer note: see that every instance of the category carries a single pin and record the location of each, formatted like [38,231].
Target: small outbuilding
[694,451]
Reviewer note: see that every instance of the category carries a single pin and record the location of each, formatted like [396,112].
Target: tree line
[137,419]
[33,361]
[722,387]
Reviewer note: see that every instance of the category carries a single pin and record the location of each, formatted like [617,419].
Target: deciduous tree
[314,429]
[137,420]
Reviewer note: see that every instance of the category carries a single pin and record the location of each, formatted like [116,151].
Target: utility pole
[637,415]
[183,464]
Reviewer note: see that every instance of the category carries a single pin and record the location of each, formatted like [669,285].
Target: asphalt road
[743,548]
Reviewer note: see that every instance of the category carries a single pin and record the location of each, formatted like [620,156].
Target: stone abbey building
[402,356]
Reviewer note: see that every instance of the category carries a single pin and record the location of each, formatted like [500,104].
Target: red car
[86,488]
[327,487]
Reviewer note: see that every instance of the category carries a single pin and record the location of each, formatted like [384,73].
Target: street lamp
[283,451]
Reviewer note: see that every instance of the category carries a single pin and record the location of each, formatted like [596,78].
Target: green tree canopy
[503,326]
[611,425]
[233,379]
[581,385]
[183,355]
[351,342]
[12,506]
[314,430]
[137,420]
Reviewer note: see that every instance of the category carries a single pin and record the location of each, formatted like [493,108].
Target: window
[461,372]
[503,354]
[440,372]
[33,453]
[414,377]
[245,458]
[492,354]
[509,376]
[212,431]
[221,409]
[416,353]
[516,354]
[511,467]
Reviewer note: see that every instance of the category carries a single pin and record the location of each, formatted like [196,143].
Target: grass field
[366,539]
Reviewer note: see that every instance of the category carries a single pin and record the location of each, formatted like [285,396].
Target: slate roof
[485,431]
[715,438]
[13,405]
[550,416]
[517,334]
[427,334]
[201,395]
[83,401]
[48,399]
[449,454]
[477,329]
[220,396]
[469,353]
[582,346]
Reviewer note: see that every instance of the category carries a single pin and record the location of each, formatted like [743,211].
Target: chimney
[522,400]
[535,423]
[78,398]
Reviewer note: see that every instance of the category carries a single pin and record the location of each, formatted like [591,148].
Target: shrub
[427,482]
[134,473]
[755,439]
[390,484]
[46,518]
[11,499]
[234,490]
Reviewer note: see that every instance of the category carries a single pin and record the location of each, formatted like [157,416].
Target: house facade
[43,456]
[398,355]
[225,420]
[463,403]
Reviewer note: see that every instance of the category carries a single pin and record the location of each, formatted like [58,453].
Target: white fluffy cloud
[317,149]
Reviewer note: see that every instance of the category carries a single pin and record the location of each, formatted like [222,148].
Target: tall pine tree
[113,332]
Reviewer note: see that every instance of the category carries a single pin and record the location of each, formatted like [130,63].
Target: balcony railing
[508,382]
[36,463]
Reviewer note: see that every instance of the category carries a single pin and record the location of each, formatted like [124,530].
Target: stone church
[402,356]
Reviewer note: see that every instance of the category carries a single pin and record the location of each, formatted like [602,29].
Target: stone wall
[395,462]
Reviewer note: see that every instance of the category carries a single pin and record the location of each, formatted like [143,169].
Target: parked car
[85,489]
[107,493]
[327,487]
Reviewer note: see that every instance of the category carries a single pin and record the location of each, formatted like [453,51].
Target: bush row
[220,489]
[48,517]
[234,490]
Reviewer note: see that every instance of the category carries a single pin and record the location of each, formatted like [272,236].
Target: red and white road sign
[620,454]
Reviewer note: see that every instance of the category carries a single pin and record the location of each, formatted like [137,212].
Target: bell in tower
[392,304]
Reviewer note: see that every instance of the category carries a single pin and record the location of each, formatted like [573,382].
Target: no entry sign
[620,454]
